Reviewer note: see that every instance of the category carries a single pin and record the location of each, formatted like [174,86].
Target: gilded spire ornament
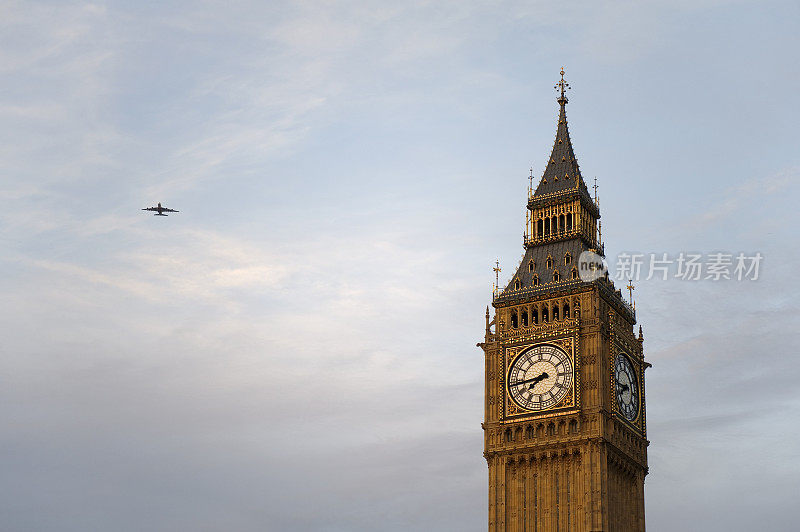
[631,288]
[497,269]
[562,87]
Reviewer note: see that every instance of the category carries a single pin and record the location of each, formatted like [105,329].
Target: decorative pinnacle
[631,288]
[562,87]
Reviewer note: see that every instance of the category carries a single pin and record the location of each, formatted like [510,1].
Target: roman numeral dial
[540,377]
[626,390]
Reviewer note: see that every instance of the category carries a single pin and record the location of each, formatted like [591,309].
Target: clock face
[540,377]
[627,392]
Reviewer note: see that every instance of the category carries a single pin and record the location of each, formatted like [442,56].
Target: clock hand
[624,387]
[534,380]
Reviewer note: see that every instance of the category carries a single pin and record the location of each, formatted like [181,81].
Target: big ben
[564,416]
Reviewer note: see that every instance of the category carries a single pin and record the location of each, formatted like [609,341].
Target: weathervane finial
[630,288]
[562,87]
[497,269]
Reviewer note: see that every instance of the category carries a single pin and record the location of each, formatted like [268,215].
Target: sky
[295,350]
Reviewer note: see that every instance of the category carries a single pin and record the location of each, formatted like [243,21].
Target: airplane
[160,210]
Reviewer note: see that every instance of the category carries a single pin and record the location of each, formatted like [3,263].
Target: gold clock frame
[512,412]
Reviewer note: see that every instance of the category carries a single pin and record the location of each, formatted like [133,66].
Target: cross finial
[630,288]
[562,86]
[595,189]
[530,179]
[497,269]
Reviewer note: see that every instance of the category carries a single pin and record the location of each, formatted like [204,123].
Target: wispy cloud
[752,191]
[343,173]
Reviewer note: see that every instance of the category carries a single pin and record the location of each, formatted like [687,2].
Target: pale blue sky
[296,349]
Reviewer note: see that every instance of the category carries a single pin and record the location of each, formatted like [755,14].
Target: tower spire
[562,172]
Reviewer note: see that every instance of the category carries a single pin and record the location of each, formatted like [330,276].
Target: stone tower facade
[564,425]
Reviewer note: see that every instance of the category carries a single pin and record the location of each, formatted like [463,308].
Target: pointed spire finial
[497,269]
[562,87]
[630,288]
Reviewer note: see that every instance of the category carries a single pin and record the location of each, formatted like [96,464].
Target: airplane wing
[169,210]
[150,209]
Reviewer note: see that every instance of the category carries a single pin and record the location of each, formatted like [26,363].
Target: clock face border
[620,347]
[571,402]
[624,359]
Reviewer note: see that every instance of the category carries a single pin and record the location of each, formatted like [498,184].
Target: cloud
[752,190]
[296,348]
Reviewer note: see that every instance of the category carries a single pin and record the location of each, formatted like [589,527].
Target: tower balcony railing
[551,235]
[498,293]
[556,236]
[608,285]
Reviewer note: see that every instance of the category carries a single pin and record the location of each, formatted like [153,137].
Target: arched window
[528,432]
[561,224]
[555,312]
[567,258]
[566,310]
[546,226]
[573,426]
[544,315]
[535,280]
[574,273]
[524,317]
[551,429]
[554,224]
[514,322]
[569,221]
[549,262]
[539,228]
[556,276]
[534,316]
[509,436]
[531,265]
[516,284]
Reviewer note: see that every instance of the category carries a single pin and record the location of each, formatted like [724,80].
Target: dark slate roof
[557,251]
[562,173]
[539,254]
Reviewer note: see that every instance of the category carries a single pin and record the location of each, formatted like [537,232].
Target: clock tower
[564,413]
